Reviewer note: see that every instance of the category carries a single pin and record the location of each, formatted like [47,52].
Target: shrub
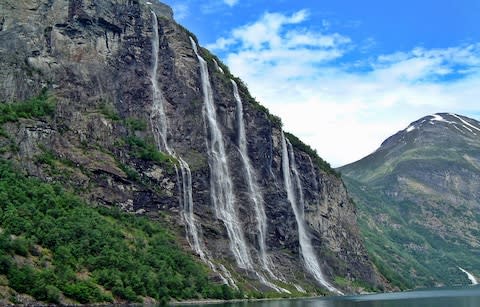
[135,124]
[148,151]
[39,106]
[109,111]
[83,291]
[322,164]
[147,262]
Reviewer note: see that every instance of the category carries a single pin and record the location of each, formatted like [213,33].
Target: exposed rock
[95,57]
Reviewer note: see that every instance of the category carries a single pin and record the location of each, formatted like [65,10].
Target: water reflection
[457,297]
[281,303]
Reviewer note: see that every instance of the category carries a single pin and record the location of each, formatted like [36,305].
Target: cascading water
[470,276]
[160,127]
[158,112]
[221,186]
[159,123]
[314,176]
[218,67]
[255,194]
[297,202]
[253,190]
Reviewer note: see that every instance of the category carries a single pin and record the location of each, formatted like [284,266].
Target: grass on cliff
[53,245]
[322,164]
[147,150]
[39,106]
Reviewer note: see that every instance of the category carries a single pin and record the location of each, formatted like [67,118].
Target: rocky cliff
[131,128]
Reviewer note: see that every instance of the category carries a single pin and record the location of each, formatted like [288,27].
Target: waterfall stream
[255,195]
[254,192]
[314,176]
[160,126]
[470,276]
[158,120]
[158,112]
[221,186]
[218,67]
[295,196]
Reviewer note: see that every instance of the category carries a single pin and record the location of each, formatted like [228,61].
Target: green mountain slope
[57,249]
[419,201]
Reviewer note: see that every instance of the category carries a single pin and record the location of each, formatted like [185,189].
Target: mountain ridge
[419,194]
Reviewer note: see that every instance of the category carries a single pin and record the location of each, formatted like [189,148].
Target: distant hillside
[419,201]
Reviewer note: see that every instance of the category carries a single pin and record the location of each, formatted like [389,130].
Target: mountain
[419,201]
[115,103]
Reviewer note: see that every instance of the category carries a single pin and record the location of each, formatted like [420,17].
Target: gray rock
[95,57]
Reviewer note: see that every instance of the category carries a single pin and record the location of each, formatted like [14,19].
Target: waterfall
[253,190]
[218,67]
[158,120]
[314,176]
[158,111]
[296,199]
[255,194]
[221,187]
[160,126]
[470,276]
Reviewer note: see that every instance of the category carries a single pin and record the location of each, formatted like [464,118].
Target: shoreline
[239,300]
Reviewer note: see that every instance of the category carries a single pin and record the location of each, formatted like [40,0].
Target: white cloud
[180,11]
[261,34]
[342,111]
[211,7]
[230,2]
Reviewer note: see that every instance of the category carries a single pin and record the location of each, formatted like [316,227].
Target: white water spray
[221,187]
[297,202]
[470,276]
[159,124]
[255,194]
[158,116]
[218,67]
[314,176]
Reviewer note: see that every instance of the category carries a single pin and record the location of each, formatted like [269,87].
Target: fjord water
[447,297]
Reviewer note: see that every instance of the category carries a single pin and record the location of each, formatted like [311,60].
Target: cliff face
[97,59]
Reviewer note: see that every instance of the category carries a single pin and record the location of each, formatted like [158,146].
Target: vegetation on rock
[52,245]
[39,106]
[322,164]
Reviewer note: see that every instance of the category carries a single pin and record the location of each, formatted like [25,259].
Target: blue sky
[344,75]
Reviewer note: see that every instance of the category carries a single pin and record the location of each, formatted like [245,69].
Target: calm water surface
[453,297]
